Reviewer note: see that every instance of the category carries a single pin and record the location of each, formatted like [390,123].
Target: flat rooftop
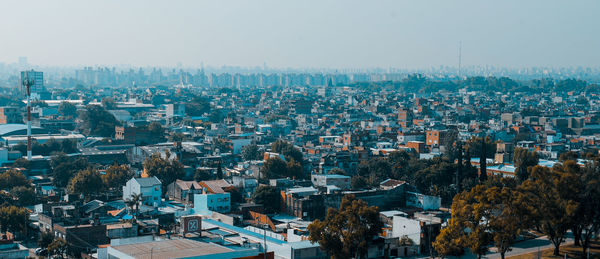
[174,248]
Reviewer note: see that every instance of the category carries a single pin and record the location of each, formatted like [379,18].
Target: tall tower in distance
[27,83]
[459,58]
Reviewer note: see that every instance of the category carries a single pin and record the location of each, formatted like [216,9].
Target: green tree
[167,171]
[116,176]
[65,167]
[58,247]
[474,147]
[506,217]
[449,141]
[447,243]
[97,121]
[86,182]
[337,171]
[236,195]
[216,116]
[251,152]
[134,203]
[46,238]
[273,168]
[468,212]
[177,137]
[219,171]
[287,150]
[24,195]
[348,231]
[202,175]
[375,170]
[156,131]
[13,178]
[67,109]
[197,107]
[358,182]
[569,155]
[21,163]
[584,188]
[269,197]
[548,203]
[588,214]
[13,218]
[108,103]
[483,162]
[524,161]
[293,169]
[68,146]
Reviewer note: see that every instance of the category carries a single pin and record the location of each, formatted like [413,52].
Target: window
[156,188]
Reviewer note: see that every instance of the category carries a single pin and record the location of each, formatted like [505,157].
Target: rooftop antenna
[459,58]
[27,83]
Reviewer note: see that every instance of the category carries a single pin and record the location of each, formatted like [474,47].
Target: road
[529,246]
[519,248]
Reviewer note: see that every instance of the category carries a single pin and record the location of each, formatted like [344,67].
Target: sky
[302,33]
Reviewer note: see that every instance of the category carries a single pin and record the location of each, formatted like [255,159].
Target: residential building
[150,188]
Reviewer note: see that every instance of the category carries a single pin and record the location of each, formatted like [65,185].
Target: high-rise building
[38,77]
[23,62]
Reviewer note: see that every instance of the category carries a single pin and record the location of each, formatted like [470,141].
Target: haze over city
[301,34]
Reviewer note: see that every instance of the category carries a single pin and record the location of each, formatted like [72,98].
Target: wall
[219,202]
[404,226]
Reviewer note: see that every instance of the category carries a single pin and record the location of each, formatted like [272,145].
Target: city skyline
[331,35]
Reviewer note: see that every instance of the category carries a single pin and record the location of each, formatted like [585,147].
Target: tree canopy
[197,106]
[97,121]
[24,195]
[251,152]
[12,178]
[166,170]
[524,161]
[277,168]
[269,197]
[550,206]
[67,109]
[116,176]
[65,167]
[347,232]
[13,218]
[287,150]
[86,182]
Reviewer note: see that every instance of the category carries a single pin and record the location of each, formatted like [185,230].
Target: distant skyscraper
[38,77]
[23,62]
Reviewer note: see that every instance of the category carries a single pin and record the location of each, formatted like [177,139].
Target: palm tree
[134,203]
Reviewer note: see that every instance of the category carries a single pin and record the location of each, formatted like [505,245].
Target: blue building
[219,202]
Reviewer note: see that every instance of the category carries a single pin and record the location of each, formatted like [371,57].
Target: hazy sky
[302,33]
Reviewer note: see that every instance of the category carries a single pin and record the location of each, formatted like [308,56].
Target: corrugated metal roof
[7,129]
[148,181]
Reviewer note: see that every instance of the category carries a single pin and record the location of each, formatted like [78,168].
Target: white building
[423,201]
[149,187]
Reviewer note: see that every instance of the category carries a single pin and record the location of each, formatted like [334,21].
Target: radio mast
[459,58]
[27,83]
